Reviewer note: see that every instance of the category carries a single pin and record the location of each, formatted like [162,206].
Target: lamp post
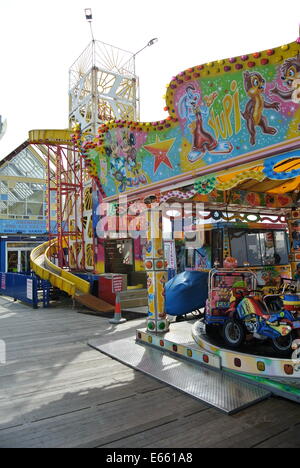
[149,44]
[88,14]
[89,17]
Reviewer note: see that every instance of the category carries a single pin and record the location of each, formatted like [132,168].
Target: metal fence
[26,288]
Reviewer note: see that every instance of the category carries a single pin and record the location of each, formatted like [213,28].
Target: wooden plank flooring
[55,391]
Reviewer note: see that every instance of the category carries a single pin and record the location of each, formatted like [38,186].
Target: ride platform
[227,380]
[206,383]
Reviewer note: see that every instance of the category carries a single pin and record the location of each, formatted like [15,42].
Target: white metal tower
[103,86]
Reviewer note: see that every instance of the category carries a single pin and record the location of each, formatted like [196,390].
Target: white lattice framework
[103,86]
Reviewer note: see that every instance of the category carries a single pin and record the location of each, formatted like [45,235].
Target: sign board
[23,226]
[3,281]
[29,289]
[170,254]
[117,284]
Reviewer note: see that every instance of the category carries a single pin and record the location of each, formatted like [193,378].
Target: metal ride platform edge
[186,359]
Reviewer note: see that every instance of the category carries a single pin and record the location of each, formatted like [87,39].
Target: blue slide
[186,292]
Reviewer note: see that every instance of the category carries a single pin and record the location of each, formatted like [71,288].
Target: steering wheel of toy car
[286,286]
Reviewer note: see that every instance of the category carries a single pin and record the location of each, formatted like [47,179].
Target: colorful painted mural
[218,111]
[247,199]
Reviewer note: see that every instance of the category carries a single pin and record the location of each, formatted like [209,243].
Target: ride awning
[256,179]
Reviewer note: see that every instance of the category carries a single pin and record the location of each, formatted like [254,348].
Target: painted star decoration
[160,150]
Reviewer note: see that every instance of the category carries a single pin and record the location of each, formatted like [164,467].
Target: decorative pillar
[157,275]
[294,232]
[99,227]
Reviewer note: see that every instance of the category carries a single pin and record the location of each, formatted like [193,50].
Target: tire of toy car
[233,333]
[283,345]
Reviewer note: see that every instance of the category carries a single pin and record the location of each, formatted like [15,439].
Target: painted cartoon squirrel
[203,141]
[290,75]
[254,85]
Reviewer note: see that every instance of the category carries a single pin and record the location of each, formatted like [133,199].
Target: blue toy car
[236,309]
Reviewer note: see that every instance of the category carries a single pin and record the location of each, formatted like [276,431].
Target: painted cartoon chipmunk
[290,75]
[254,85]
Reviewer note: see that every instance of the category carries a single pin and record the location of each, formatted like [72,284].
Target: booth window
[119,256]
[259,248]
[198,250]
[217,247]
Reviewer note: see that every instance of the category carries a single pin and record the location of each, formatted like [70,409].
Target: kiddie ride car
[241,312]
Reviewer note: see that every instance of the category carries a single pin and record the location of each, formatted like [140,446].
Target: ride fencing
[26,288]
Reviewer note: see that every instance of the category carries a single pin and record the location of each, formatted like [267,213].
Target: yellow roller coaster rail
[59,278]
[53,137]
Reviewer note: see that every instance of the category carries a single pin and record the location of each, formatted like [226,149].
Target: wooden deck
[57,392]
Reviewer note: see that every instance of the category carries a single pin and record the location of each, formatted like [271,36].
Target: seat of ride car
[274,303]
[253,305]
